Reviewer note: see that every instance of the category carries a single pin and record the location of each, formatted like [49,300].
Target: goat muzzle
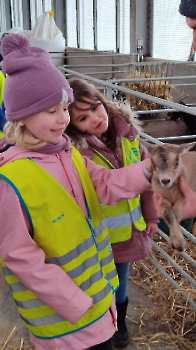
[165,182]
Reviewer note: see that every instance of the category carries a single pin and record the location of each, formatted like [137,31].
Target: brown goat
[169,162]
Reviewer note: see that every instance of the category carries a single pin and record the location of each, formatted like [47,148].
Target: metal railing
[110,85]
[178,77]
[91,55]
[103,72]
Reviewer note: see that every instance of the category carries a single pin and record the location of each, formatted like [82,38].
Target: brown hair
[84,91]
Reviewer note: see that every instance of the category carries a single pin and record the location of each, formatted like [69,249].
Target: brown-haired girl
[107,133]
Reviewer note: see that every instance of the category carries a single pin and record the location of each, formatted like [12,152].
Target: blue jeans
[123,275]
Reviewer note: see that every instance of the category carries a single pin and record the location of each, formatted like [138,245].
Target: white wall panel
[36,10]
[172,38]
[125,26]
[47,5]
[3,27]
[71,24]
[86,25]
[106,25]
[16,13]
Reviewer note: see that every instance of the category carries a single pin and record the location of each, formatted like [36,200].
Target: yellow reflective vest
[80,246]
[122,216]
[1,134]
[2,83]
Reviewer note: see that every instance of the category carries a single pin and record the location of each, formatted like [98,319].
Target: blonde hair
[17,134]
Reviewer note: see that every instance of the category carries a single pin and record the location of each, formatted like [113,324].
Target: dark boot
[121,337]
[106,345]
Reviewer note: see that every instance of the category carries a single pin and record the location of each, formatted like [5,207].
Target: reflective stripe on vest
[87,259]
[122,216]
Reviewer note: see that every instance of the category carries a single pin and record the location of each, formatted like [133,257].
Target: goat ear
[148,145]
[185,147]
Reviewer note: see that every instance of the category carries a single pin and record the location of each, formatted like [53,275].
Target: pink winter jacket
[26,259]
[3,142]
[139,246]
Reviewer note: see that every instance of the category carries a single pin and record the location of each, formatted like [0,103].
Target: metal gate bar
[131,92]
[184,254]
[177,266]
[174,284]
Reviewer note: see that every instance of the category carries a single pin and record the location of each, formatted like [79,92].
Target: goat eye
[176,165]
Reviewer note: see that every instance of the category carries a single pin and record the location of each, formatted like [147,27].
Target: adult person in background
[188,9]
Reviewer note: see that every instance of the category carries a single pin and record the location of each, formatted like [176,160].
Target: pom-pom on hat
[33,84]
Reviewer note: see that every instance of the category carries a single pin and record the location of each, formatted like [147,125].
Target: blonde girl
[54,243]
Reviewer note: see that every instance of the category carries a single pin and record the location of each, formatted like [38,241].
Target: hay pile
[159,89]
[170,311]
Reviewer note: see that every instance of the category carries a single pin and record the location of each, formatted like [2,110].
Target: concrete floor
[9,319]
[165,128]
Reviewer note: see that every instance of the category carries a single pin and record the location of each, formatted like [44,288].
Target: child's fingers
[148,165]
[158,202]
[150,233]
[151,229]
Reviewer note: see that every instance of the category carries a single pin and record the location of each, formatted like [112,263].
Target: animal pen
[167,276]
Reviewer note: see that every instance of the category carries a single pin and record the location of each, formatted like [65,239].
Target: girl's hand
[158,202]
[148,165]
[151,229]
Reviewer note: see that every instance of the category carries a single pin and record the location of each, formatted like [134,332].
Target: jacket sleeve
[112,186]
[148,209]
[26,260]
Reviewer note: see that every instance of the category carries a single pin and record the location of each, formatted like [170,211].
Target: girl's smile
[90,118]
[49,125]
[58,131]
[99,125]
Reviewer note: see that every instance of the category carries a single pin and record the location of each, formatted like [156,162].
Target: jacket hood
[188,8]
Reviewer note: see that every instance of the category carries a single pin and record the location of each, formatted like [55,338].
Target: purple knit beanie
[33,84]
